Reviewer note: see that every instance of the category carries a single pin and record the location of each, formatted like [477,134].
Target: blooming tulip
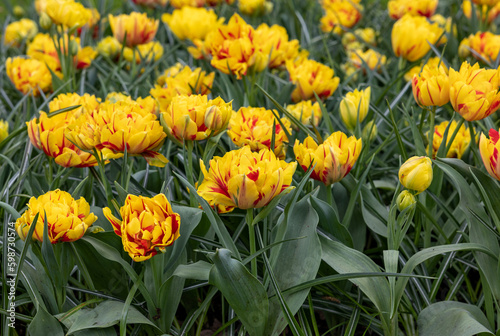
[245,179]
[135,27]
[17,31]
[459,144]
[474,91]
[67,218]
[28,75]
[147,224]
[332,160]
[253,126]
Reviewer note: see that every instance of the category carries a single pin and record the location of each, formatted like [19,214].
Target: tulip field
[250,167]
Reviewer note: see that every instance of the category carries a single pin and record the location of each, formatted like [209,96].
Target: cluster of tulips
[83,130]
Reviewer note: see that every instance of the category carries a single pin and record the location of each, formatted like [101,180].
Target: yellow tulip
[253,127]
[433,62]
[67,218]
[416,173]
[354,107]
[68,13]
[366,59]
[459,144]
[489,3]
[252,7]
[4,130]
[18,31]
[28,75]
[339,14]
[147,224]
[186,115]
[233,48]
[136,27]
[474,91]
[332,160]
[49,133]
[109,47]
[359,38]
[485,46]
[306,112]
[405,199]
[398,8]
[147,53]
[192,23]
[489,149]
[411,36]
[120,126]
[273,42]
[151,3]
[431,87]
[311,76]
[245,179]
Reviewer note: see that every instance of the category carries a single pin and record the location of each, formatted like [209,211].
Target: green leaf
[328,220]
[44,324]
[296,262]
[214,219]
[452,318]
[347,260]
[190,218]
[199,270]
[430,252]
[105,315]
[243,291]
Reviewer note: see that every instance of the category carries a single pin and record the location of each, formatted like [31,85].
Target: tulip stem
[450,140]
[432,116]
[474,146]
[189,147]
[251,234]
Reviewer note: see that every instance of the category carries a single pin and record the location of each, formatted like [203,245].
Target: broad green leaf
[243,291]
[296,262]
[452,318]
[190,218]
[478,232]
[430,252]
[44,324]
[347,260]
[328,220]
[105,315]
[199,270]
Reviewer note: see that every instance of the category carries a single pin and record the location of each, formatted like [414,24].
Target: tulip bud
[370,132]
[74,47]
[18,11]
[431,87]
[4,130]
[405,199]
[45,21]
[355,107]
[416,173]
[213,118]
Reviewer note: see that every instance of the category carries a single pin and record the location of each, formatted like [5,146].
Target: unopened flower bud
[405,199]
[19,11]
[45,21]
[416,173]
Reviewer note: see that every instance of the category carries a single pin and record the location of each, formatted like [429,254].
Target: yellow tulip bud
[354,107]
[4,130]
[218,115]
[405,199]
[18,11]
[416,173]
[489,149]
[45,21]
[370,131]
